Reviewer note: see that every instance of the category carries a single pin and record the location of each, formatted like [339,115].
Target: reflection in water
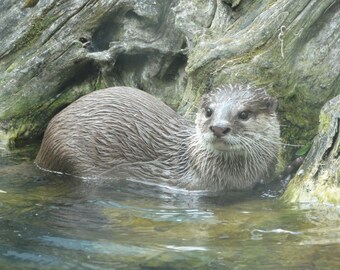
[258,234]
[56,222]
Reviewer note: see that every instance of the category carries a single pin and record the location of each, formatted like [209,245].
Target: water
[54,222]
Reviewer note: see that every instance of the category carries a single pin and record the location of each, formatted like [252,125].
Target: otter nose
[220,131]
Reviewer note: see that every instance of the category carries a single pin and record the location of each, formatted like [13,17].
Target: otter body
[123,132]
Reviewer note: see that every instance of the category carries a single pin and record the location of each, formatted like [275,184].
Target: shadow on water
[49,221]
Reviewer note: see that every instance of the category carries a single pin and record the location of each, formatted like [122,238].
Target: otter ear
[272,104]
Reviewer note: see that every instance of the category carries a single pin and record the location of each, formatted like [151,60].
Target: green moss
[100,83]
[30,3]
[320,184]
[302,151]
[30,120]
[38,26]
[296,117]
[11,67]
[325,122]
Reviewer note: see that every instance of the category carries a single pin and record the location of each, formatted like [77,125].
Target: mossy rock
[318,180]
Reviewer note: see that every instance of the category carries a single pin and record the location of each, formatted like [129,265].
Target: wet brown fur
[123,132]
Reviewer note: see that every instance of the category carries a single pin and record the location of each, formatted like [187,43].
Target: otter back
[114,132]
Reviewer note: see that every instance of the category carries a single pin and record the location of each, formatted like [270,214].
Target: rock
[53,52]
[318,179]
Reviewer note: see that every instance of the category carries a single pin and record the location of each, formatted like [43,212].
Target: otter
[126,133]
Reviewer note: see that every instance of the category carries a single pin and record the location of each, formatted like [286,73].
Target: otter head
[237,119]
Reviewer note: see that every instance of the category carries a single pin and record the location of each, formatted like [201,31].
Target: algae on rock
[318,179]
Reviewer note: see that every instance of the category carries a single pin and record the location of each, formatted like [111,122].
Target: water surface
[55,222]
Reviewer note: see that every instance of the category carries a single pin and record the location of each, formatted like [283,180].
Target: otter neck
[217,171]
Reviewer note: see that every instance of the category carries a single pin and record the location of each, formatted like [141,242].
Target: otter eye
[208,112]
[244,115]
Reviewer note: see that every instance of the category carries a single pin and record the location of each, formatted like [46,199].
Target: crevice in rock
[133,16]
[105,33]
[77,75]
[334,138]
[173,71]
[130,64]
